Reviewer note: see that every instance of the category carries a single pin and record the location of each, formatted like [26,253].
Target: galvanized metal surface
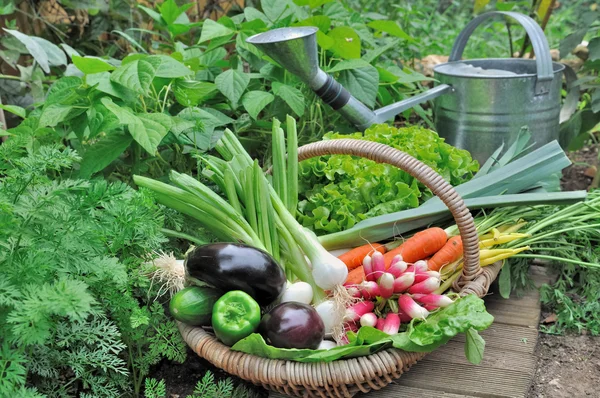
[482,112]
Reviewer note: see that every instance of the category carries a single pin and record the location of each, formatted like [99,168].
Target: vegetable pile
[338,191]
[276,292]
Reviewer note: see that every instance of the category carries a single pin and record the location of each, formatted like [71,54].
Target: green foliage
[583,125]
[75,315]
[207,387]
[569,239]
[154,388]
[338,191]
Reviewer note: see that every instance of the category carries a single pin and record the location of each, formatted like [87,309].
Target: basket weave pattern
[346,377]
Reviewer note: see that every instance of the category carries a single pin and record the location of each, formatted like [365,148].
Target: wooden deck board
[506,370]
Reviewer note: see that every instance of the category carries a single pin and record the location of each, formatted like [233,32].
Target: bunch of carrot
[441,251]
[432,244]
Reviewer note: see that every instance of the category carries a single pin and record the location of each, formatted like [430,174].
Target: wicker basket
[346,377]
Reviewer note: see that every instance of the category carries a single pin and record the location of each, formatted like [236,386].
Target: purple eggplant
[233,266]
[293,325]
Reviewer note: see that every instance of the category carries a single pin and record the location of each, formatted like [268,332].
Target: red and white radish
[368,268]
[398,267]
[392,324]
[411,308]
[435,300]
[402,283]
[386,285]
[378,265]
[429,285]
[369,319]
[356,311]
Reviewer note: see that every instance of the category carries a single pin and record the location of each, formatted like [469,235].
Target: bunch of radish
[407,290]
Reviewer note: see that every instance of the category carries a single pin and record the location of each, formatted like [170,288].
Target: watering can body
[481,113]
[485,110]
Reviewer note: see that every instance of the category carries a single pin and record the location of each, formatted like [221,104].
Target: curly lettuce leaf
[338,191]
[467,313]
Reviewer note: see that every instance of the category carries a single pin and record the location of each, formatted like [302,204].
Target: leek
[500,187]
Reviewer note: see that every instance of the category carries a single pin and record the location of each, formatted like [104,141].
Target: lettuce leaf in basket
[338,191]
[466,313]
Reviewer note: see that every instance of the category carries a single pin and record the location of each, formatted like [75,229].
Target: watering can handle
[545,72]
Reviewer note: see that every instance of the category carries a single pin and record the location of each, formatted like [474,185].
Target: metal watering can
[482,104]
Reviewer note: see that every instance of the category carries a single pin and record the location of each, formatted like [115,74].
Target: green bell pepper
[235,316]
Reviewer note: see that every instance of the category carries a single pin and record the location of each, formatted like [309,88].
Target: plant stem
[180,235]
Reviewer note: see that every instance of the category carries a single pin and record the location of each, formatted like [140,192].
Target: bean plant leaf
[596,100]
[255,101]
[362,83]
[212,30]
[53,114]
[155,127]
[474,346]
[346,42]
[292,96]
[101,120]
[232,84]
[91,65]
[136,75]
[336,11]
[33,47]
[170,11]
[102,82]
[151,13]
[391,28]
[252,13]
[312,3]
[56,56]
[103,152]
[63,90]
[193,93]
[277,10]
[349,64]
[148,130]
[15,110]
[69,50]
[168,67]
[7,8]
[594,49]
[323,22]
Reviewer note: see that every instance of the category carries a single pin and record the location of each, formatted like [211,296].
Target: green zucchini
[193,305]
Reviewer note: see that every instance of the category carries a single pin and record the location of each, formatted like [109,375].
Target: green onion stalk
[246,215]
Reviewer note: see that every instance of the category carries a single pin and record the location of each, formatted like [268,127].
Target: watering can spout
[295,49]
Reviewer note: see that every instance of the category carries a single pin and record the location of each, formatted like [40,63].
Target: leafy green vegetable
[341,190]
[474,346]
[467,313]
[75,309]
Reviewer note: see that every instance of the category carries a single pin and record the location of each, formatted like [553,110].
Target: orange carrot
[356,276]
[419,246]
[355,257]
[452,251]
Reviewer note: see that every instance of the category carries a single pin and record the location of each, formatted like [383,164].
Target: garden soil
[568,366]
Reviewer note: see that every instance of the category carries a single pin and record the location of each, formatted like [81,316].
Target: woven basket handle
[382,153]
